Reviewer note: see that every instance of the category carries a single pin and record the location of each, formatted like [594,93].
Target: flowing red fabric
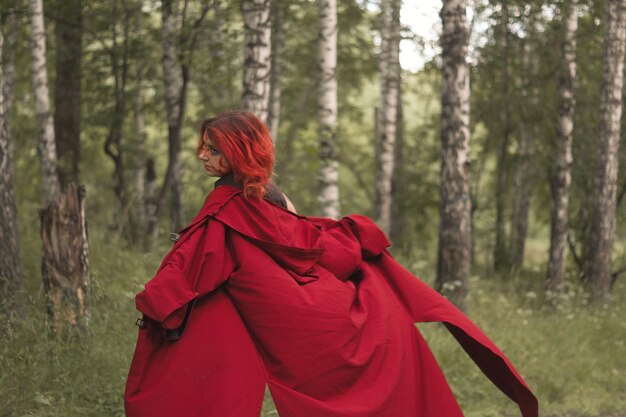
[316,309]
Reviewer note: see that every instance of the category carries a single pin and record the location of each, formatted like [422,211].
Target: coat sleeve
[196,267]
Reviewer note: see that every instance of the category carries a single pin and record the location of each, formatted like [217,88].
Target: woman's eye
[213,150]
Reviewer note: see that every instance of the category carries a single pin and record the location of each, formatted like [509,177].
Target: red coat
[314,308]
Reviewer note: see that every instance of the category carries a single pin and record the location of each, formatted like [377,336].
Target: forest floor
[572,356]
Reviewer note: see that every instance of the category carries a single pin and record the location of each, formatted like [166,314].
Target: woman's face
[215,164]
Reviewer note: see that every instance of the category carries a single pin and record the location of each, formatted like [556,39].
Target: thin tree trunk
[562,171]
[275,81]
[390,81]
[179,42]
[327,109]
[398,190]
[140,134]
[219,47]
[113,144]
[174,83]
[501,253]
[11,277]
[257,57]
[524,178]
[47,147]
[150,200]
[453,263]
[602,232]
[67,92]
[65,263]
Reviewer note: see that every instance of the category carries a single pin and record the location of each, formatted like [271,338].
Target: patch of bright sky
[422,17]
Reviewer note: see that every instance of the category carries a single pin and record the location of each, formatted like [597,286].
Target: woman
[253,294]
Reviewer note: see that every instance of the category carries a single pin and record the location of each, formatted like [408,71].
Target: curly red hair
[246,144]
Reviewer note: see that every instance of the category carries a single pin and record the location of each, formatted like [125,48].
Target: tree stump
[65,261]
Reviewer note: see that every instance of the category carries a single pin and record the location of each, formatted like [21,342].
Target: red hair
[246,144]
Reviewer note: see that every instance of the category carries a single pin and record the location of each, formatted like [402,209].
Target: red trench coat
[316,309]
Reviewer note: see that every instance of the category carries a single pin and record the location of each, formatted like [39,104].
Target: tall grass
[573,356]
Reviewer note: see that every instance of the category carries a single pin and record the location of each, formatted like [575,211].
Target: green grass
[574,356]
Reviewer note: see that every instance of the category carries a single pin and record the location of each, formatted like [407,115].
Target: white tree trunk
[327,109]
[602,235]
[454,254]
[47,147]
[562,170]
[387,124]
[257,57]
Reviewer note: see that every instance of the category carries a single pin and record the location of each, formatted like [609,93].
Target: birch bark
[387,125]
[453,263]
[328,175]
[257,57]
[562,170]
[47,146]
[602,232]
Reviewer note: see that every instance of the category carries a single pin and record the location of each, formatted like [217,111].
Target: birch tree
[257,57]
[328,175]
[387,125]
[65,265]
[562,170]
[67,92]
[47,146]
[453,260]
[11,278]
[602,234]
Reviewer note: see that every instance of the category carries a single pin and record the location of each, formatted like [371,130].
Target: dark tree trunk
[11,278]
[67,92]
[65,263]
[150,199]
[602,232]
[453,263]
